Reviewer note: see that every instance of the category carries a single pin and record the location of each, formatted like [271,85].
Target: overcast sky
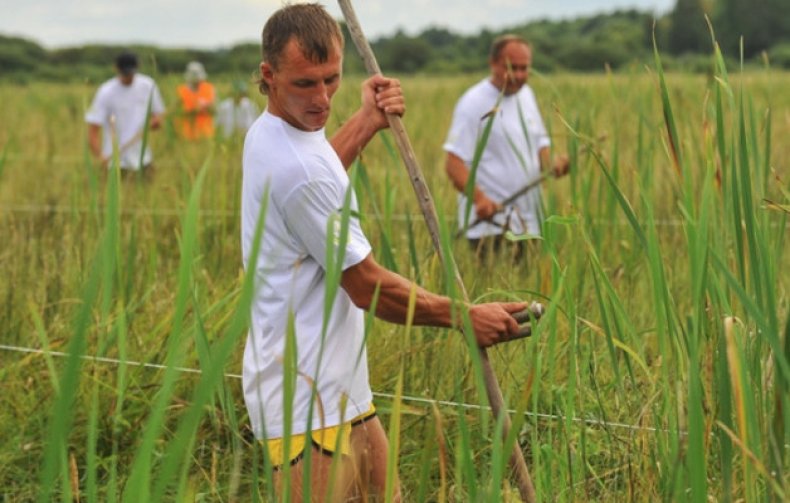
[221,23]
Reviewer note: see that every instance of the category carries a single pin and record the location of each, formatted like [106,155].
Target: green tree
[761,23]
[19,54]
[688,30]
[405,54]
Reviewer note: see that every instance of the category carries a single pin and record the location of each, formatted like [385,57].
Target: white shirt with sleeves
[510,159]
[235,117]
[307,186]
[121,111]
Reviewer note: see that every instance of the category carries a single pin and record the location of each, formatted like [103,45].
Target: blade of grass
[669,117]
[62,413]
[480,146]
[393,451]
[138,486]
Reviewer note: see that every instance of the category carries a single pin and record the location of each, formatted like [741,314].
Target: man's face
[511,70]
[126,77]
[300,91]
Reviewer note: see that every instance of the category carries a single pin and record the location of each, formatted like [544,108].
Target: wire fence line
[74,160]
[406,398]
[131,211]
[214,213]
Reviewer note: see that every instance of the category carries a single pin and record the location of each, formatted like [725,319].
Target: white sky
[222,23]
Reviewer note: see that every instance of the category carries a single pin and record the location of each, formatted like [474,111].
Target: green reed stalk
[465,472]
[385,249]
[138,485]
[118,416]
[62,415]
[478,155]
[395,424]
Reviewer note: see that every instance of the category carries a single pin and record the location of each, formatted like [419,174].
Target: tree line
[760,29]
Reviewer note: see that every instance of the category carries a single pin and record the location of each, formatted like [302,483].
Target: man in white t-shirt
[235,114]
[515,153]
[305,373]
[117,117]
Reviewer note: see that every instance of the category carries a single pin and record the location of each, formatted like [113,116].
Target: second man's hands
[485,207]
[562,165]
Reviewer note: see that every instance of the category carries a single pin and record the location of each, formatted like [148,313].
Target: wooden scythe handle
[524,481]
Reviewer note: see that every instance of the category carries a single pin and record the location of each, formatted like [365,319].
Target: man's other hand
[493,322]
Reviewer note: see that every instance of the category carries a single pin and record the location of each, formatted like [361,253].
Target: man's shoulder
[477,100]
[481,88]
[267,144]
[266,132]
[109,85]
[144,79]
[269,148]
[526,92]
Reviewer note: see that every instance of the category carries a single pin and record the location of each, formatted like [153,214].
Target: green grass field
[659,373]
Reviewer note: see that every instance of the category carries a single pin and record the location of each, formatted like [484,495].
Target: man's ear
[267,73]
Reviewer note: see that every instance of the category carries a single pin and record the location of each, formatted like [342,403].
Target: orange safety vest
[197,120]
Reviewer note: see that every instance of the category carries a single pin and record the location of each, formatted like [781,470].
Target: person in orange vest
[198,98]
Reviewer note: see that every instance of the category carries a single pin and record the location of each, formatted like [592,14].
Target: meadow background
[659,373]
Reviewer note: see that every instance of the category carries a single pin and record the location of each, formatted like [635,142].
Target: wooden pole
[425,200]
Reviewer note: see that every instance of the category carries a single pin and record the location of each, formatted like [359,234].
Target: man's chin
[317,121]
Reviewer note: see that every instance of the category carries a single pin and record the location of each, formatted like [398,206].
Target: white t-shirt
[121,110]
[307,186]
[510,159]
[232,117]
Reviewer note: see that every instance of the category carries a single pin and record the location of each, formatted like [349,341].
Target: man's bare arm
[155,122]
[380,96]
[94,140]
[491,322]
[559,167]
[458,173]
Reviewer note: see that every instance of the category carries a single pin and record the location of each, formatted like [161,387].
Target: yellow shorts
[327,441]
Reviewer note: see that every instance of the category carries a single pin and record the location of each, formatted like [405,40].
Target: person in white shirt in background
[117,117]
[236,113]
[517,150]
